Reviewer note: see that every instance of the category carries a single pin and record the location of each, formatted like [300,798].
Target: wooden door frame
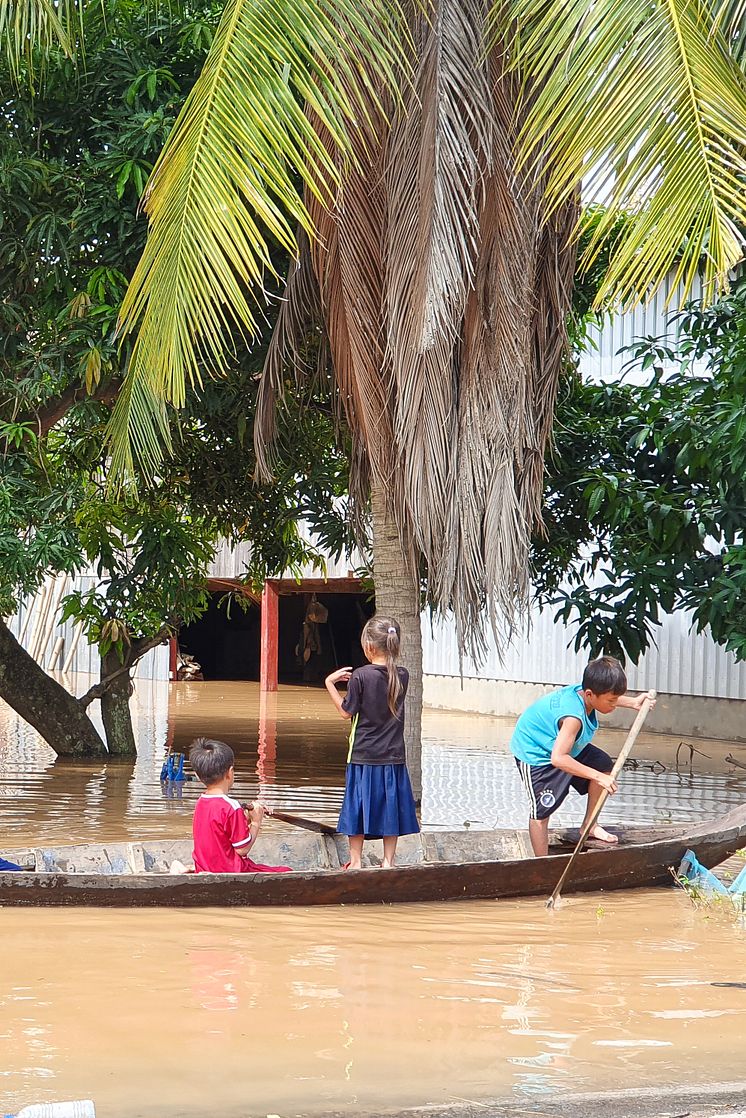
[269,603]
[274,588]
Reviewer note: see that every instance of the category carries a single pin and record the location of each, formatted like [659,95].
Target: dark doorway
[226,639]
[309,649]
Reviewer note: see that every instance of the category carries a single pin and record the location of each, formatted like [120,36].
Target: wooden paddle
[297,821]
[618,764]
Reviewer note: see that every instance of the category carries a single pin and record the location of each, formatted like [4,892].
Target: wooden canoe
[465,865]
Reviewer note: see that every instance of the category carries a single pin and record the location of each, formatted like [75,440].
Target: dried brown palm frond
[436,157]
[443,291]
[299,344]
[347,262]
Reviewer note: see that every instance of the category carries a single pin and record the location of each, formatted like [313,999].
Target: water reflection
[308,1010]
[291,748]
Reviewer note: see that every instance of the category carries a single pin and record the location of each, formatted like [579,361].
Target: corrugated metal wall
[230,562]
[603,361]
[682,663]
[36,624]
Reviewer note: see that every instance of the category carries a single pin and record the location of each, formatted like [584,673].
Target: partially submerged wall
[702,687]
[685,715]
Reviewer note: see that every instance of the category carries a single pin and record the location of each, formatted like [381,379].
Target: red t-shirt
[220,829]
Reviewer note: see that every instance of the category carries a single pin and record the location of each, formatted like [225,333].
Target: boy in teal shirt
[552,747]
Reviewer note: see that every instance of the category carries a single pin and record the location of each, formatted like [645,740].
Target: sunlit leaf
[645,103]
[231,177]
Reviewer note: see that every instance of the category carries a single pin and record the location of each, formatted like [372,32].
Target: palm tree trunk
[44,703]
[398,596]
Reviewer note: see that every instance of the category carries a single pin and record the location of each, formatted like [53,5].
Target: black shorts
[547,787]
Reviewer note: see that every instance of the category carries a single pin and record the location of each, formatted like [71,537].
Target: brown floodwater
[291,747]
[219,1012]
[223,1013]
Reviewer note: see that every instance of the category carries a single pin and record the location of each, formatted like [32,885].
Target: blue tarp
[694,873]
[8,865]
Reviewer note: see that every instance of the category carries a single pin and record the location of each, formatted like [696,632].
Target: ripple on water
[292,747]
[318,1008]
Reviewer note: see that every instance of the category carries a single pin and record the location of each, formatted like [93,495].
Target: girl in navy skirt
[378,800]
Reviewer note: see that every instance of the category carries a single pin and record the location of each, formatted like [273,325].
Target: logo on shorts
[546,799]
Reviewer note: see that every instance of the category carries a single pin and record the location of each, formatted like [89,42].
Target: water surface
[218,1012]
[188,1013]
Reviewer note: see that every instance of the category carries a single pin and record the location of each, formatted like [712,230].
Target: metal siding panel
[681,662]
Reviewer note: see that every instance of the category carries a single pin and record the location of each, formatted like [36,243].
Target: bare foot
[601,835]
[385,865]
[352,866]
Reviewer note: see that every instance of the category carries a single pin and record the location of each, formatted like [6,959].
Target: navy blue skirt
[378,801]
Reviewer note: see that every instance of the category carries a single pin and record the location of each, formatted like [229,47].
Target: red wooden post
[172,658]
[267,753]
[270,638]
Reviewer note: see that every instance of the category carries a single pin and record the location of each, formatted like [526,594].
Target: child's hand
[640,699]
[256,813]
[607,782]
[340,676]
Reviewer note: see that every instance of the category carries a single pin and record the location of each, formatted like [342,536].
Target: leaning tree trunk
[44,703]
[398,596]
[115,708]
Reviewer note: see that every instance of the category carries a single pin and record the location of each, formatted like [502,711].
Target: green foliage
[39,496]
[149,558]
[213,459]
[74,157]
[646,497]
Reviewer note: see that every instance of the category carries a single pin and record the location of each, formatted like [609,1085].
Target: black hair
[384,635]
[210,759]
[605,676]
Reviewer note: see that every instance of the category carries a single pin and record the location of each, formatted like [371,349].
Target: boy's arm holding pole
[562,758]
[254,813]
[634,702]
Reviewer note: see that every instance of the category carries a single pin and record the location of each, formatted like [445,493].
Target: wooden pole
[270,638]
[297,820]
[56,651]
[38,608]
[29,608]
[73,649]
[60,586]
[618,765]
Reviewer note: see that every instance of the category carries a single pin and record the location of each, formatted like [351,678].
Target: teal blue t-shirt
[537,728]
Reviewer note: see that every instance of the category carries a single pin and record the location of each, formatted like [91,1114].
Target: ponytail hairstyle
[383,635]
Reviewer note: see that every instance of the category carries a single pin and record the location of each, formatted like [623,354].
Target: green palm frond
[730,18]
[643,102]
[139,410]
[231,177]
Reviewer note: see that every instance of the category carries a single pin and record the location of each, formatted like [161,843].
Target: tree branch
[44,419]
[137,650]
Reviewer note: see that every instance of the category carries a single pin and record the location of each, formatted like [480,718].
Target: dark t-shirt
[376,737]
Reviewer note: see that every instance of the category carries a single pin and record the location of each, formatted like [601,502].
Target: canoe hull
[629,866]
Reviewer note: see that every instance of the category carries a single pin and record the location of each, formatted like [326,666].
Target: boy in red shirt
[223,835]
